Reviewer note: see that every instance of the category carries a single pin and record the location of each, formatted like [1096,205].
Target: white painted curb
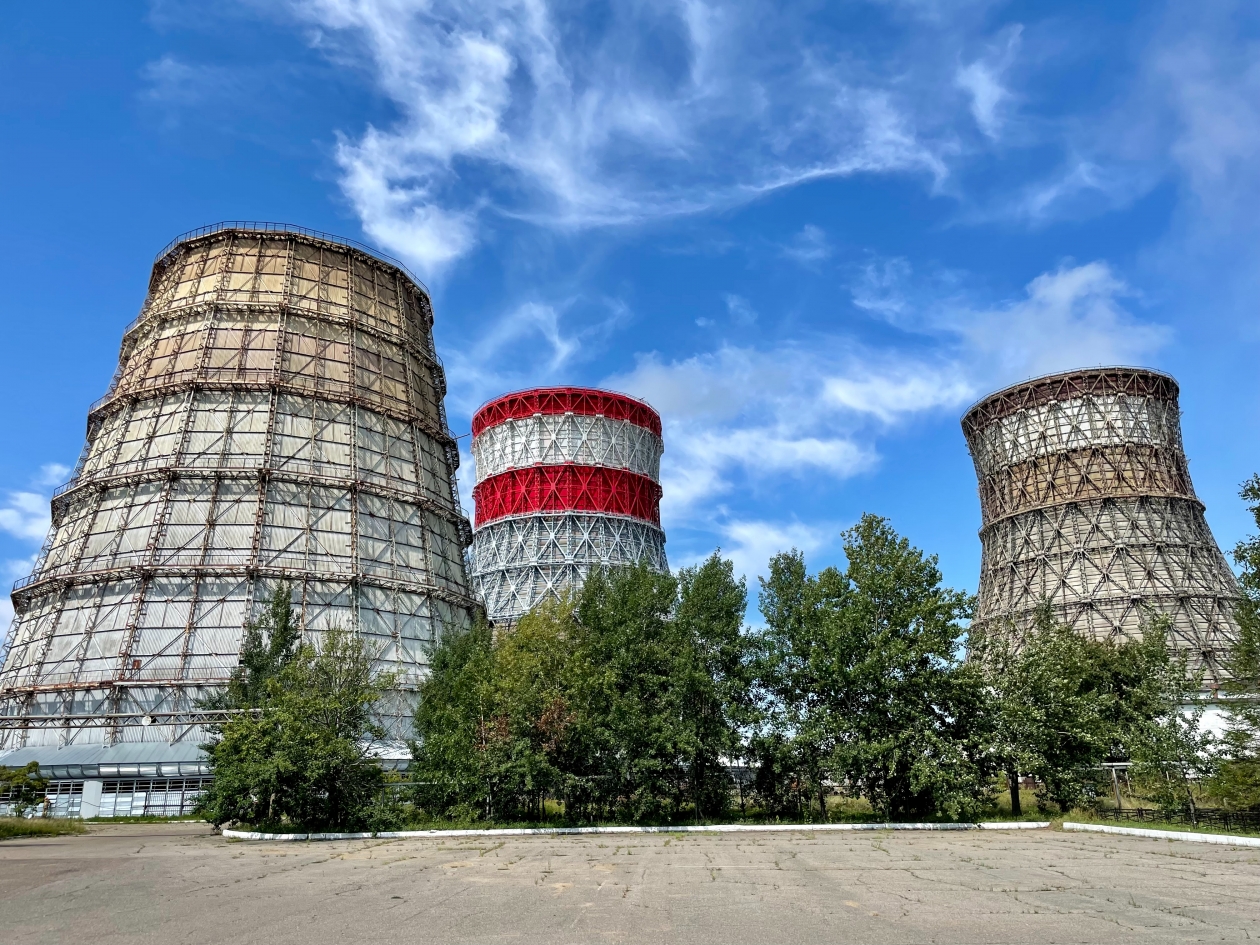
[569,831]
[1225,838]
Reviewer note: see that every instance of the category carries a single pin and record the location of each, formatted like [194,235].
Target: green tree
[24,788]
[798,671]
[631,719]
[1159,720]
[535,667]
[911,719]
[269,644]
[1062,704]
[861,676]
[1050,707]
[494,720]
[305,758]
[622,701]
[1237,781]
[452,723]
[713,675]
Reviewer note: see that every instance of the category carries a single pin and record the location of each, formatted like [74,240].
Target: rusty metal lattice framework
[567,478]
[277,413]
[1086,502]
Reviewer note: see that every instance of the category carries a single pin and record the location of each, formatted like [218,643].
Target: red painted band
[567,488]
[585,401]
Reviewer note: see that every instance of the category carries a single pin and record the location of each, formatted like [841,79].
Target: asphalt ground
[174,883]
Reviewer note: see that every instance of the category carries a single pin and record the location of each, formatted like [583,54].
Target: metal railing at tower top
[264,227]
[1094,369]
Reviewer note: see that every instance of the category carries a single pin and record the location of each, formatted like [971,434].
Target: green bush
[621,702]
[295,746]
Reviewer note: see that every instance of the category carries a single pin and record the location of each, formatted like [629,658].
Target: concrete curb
[1225,838]
[571,831]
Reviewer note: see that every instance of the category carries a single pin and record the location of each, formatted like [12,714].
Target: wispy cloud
[530,344]
[1203,67]
[879,287]
[809,246]
[1071,317]
[901,387]
[740,309]
[10,571]
[751,416]
[982,80]
[744,416]
[51,474]
[751,543]
[525,110]
[25,515]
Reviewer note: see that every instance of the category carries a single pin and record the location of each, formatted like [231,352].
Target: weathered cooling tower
[567,478]
[1086,502]
[276,415]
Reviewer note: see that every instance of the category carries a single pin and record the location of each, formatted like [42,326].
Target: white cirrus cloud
[809,246]
[740,309]
[10,571]
[751,543]
[982,80]
[899,388]
[1071,317]
[524,109]
[25,515]
[530,344]
[1203,69]
[52,474]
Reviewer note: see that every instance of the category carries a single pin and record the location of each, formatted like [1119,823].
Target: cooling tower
[567,479]
[277,414]
[1086,502]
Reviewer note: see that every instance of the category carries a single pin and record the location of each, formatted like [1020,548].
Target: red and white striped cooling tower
[567,478]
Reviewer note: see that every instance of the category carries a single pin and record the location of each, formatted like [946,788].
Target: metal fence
[1224,819]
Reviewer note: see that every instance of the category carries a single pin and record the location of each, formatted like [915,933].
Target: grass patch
[12,827]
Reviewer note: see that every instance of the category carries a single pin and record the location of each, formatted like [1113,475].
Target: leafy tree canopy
[622,701]
[862,683]
[305,758]
[24,787]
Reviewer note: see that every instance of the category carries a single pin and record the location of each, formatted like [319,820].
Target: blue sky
[810,234]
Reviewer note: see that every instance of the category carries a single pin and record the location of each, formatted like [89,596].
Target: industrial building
[277,414]
[568,478]
[1086,502]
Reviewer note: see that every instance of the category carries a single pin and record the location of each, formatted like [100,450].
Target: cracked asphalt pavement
[174,883]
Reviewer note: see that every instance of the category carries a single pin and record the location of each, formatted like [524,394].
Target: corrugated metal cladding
[277,413]
[567,479]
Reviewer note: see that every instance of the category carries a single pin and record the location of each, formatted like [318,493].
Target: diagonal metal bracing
[277,410]
[567,480]
[1087,503]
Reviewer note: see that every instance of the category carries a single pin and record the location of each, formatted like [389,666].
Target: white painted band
[1225,838]
[1076,423]
[569,831]
[552,439]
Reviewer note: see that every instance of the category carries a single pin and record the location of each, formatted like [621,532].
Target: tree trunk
[1012,780]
